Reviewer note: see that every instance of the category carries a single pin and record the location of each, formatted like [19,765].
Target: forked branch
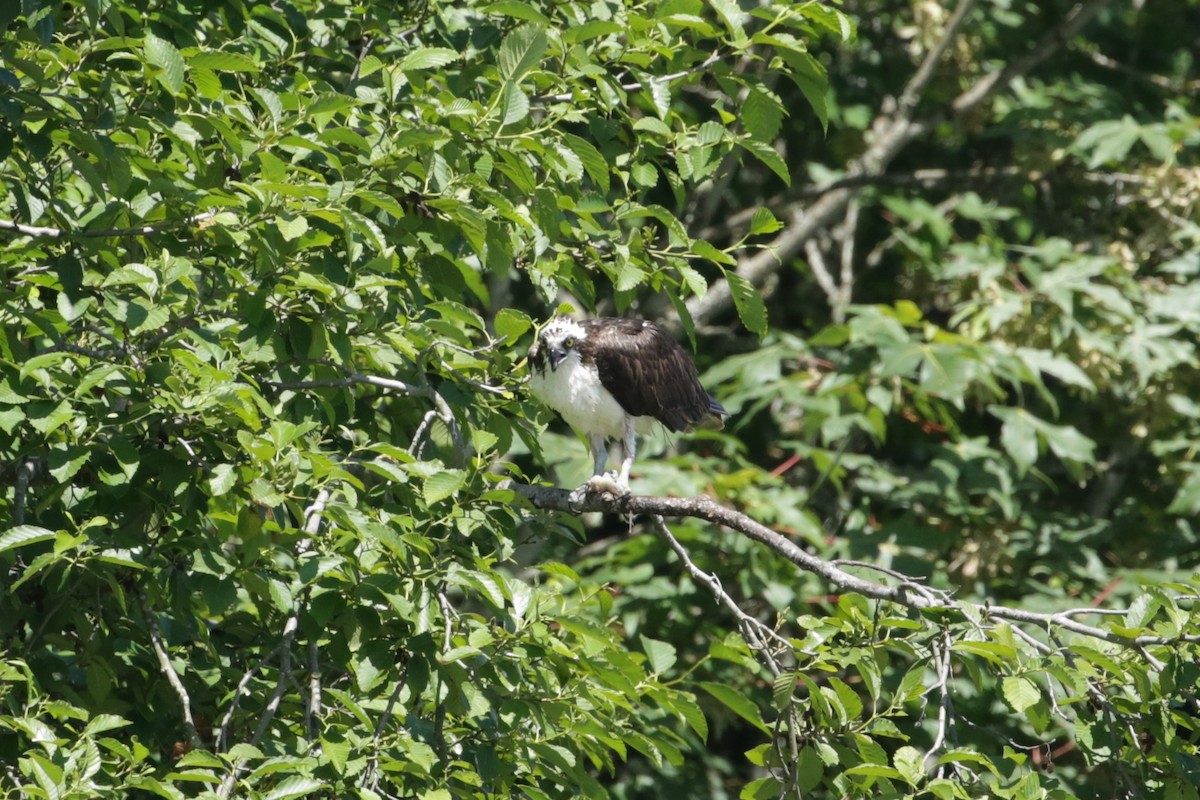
[904,591]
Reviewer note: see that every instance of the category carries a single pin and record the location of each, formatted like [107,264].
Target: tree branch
[897,131]
[443,410]
[41,232]
[907,592]
[168,671]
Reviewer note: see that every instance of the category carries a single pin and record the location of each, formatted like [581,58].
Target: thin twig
[637,85]
[272,708]
[945,724]
[713,584]
[168,671]
[142,230]
[444,412]
[25,471]
[222,741]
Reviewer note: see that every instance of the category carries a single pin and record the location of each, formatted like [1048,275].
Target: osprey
[612,378]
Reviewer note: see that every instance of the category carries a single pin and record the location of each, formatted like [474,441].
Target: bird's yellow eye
[569,343]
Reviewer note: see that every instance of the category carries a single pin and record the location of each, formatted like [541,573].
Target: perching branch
[907,592]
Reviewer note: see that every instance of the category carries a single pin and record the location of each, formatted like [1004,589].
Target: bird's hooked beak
[557,354]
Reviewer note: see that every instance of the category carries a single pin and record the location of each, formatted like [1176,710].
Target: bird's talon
[608,483]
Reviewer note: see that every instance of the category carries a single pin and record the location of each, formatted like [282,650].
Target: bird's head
[558,340]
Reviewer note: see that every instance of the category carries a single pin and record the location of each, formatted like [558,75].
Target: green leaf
[521,51]
[763,221]
[295,786]
[731,15]
[762,114]
[749,304]
[291,228]
[766,788]
[427,58]
[1020,692]
[910,763]
[661,655]
[708,251]
[1187,499]
[1018,436]
[517,10]
[809,769]
[737,702]
[514,104]
[21,535]
[443,484]
[163,55]
[512,324]
[221,61]
[594,163]
[769,157]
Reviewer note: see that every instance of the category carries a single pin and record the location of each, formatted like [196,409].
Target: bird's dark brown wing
[647,372]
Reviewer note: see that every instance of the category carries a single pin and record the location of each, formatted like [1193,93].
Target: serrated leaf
[21,535]
[521,51]
[731,15]
[660,95]
[644,174]
[427,58]
[762,115]
[686,707]
[910,763]
[443,484]
[206,82]
[765,788]
[163,55]
[767,155]
[593,162]
[517,10]
[708,251]
[292,228]
[750,306]
[106,722]
[763,221]
[65,461]
[220,61]
[295,786]
[661,655]
[736,702]
[514,103]
[809,769]
[72,311]
[1020,692]
[512,323]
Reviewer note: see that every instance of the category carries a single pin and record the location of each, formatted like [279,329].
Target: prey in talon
[612,378]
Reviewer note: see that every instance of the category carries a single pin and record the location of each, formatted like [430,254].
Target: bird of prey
[613,378]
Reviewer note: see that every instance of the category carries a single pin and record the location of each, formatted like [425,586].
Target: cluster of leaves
[269,270]
[259,360]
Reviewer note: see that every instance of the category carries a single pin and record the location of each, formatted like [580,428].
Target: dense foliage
[269,273]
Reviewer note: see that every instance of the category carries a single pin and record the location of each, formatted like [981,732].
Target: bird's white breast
[575,392]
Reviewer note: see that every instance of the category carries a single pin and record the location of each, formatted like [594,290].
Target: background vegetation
[269,273]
